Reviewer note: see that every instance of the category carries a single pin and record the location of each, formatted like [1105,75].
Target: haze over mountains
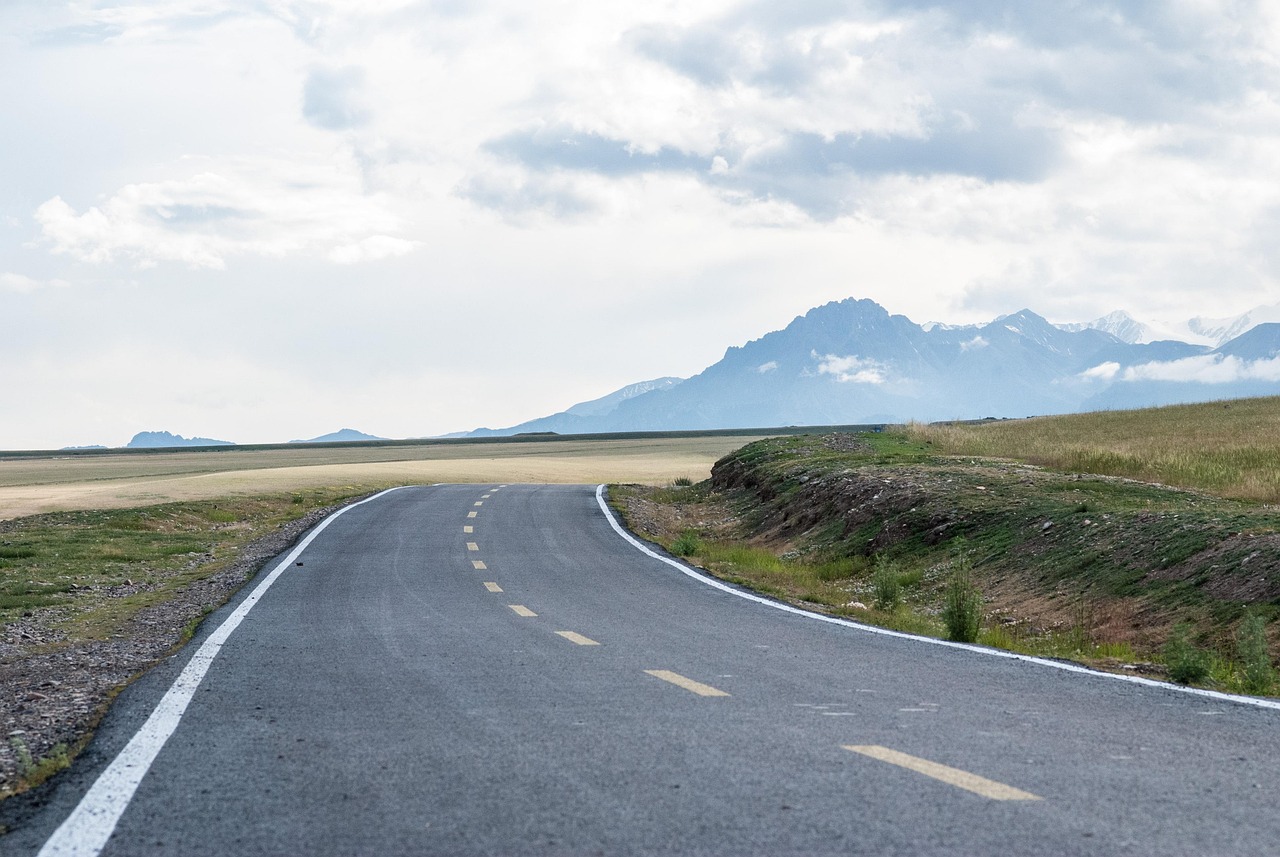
[851,362]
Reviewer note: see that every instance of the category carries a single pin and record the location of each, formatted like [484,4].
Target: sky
[260,220]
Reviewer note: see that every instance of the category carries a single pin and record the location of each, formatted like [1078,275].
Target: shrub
[962,609]
[686,545]
[886,584]
[682,482]
[1187,663]
[1257,675]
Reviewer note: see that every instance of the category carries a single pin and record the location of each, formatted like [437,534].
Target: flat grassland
[32,485]
[1229,449]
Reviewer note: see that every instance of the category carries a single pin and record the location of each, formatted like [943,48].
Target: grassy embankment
[1071,560]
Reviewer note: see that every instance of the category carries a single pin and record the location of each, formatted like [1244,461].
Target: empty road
[485,670]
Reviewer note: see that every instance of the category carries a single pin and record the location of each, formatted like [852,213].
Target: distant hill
[573,419]
[852,362]
[163,439]
[341,436]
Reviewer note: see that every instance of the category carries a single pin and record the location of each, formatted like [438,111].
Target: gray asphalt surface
[381,700]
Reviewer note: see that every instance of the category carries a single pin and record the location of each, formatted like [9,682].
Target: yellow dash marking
[574,637]
[952,776]
[471,514]
[478,565]
[492,587]
[479,503]
[472,546]
[687,683]
[521,610]
[468,529]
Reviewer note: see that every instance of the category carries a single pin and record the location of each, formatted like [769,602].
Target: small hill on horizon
[346,435]
[165,440]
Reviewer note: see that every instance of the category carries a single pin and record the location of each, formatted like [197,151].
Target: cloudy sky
[259,220]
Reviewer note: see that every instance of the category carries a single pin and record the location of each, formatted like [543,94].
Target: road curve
[465,669]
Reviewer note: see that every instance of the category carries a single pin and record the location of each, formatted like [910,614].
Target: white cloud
[853,369]
[259,207]
[977,342]
[1101,372]
[23,284]
[1206,369]
[771,366]
[372,248]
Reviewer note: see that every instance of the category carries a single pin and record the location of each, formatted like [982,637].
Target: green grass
[82,561]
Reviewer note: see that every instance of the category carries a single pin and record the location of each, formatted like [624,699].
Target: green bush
[682,482]
[962,608]
[1187,664]
[686,545]
[886,583]
[1256,673]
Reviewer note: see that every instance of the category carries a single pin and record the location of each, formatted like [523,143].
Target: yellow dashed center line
[687,683]
[471,514]
[574,637]
[478,565]
[479,503]
[492,587]
[521,610]
[952,776]
[468,529]
[472,546]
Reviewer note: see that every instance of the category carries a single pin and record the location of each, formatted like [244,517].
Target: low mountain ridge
[166,440]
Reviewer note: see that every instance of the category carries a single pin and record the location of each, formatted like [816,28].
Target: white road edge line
[981,650]
[91,823]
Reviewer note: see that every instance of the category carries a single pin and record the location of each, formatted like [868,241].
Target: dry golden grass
[32,486]
[1231,449]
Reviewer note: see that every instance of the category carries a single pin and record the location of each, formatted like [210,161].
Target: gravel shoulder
[56,690]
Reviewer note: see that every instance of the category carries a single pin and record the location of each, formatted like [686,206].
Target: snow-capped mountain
[851,362]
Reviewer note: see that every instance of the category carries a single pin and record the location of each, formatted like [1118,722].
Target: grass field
[1229,449]
[32,485]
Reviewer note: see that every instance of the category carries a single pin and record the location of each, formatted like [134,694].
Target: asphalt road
[477,670]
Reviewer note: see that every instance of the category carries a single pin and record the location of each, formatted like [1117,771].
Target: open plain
[33,484]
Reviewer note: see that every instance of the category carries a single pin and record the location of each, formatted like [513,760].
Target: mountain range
[852,362]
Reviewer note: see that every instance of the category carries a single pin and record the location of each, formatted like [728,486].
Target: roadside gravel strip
[87,829]
[981,650]
[55,691]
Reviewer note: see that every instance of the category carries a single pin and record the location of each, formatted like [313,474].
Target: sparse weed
[886,583]
[962,605]
[1187,664]
[1256,673]
[687,544]
[23,754]
[682,482]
